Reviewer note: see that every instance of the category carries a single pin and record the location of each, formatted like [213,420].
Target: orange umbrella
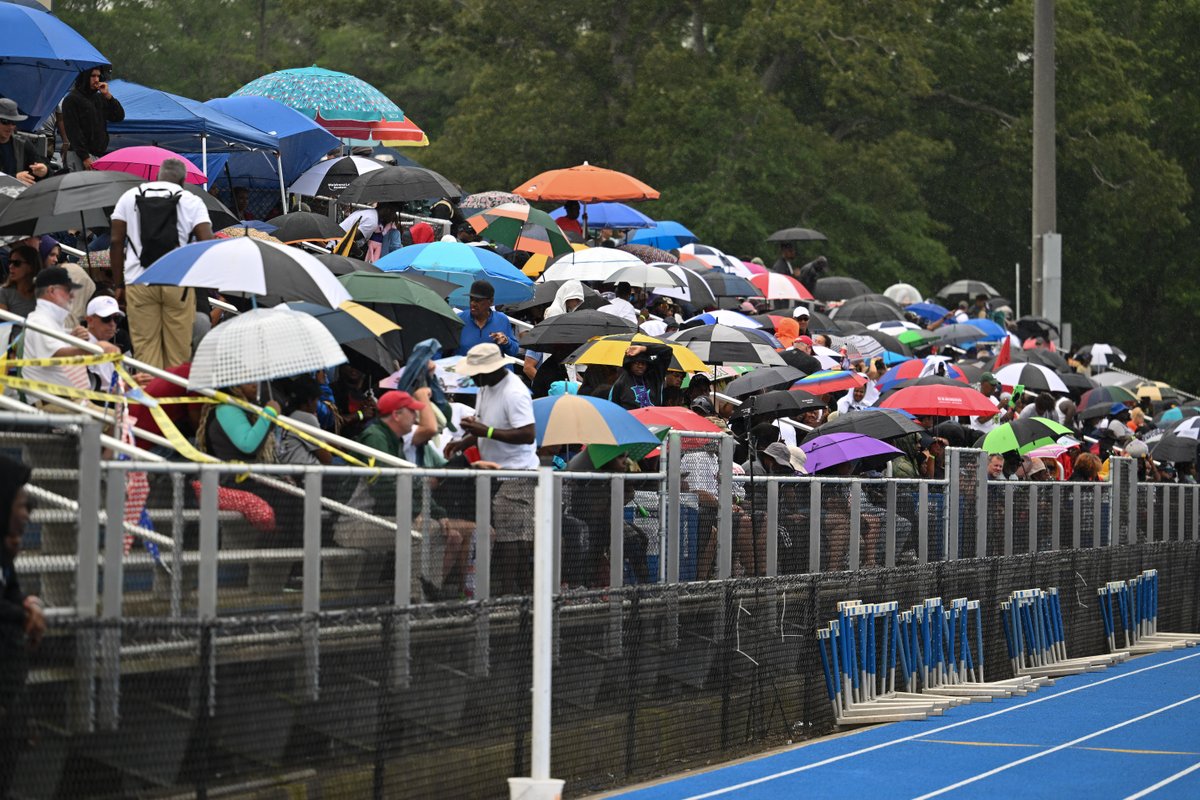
[587,184]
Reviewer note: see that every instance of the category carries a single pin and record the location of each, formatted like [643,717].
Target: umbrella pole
[87,252]
[204,158]
[282,189]
[585,225]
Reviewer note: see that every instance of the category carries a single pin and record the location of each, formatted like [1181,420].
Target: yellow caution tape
[62,361]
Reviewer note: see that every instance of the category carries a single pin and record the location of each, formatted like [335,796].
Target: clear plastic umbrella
[261,345]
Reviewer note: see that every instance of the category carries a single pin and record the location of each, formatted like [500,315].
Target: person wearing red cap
[396,430]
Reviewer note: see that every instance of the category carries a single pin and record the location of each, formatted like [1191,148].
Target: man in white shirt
[160,317]
[53,287]
[620,306]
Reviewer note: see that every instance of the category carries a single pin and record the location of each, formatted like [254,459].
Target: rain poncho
[571,290]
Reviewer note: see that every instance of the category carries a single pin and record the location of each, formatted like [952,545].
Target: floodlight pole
[1044,189]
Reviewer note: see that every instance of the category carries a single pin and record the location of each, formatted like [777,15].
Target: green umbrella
[601,454]
[418,310]
[1023,435]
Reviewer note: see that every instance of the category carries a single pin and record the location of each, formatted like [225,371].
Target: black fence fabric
[434,701]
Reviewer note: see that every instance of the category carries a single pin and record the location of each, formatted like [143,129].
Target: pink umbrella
[757,269]
[144,161]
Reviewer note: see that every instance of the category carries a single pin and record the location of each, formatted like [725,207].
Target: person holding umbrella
[641,383]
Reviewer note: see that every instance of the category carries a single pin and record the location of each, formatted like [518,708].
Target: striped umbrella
[592,264]
[916,368]
[717,259]
[694,290]
[521,227]
[579,419]
[830,380]
[775,286]
[723,344]
[1023,435]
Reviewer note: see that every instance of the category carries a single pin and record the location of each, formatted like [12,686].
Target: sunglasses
[110,318]
[16,262]
[7,122]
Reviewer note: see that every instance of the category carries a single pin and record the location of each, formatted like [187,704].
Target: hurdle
[1137,607]
[1034,633]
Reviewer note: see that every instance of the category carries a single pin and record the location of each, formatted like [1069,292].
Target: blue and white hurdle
[1036,640]
[1135,603]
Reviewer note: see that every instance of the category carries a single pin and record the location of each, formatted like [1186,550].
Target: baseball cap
[989,377]
[482,290]
[801,311]
[103,306]
[1116,408]
[393,401]
[9,111]
[54,276]
[806,339]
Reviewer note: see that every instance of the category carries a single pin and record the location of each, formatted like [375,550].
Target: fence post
[725,509]
[401,675]
[87,546]
[206,605]
[855,525]
[674,537]
[953,503]
[177,545]
[1097,513]
[772,565]
[981,503]
[616,561]
[108,705]
[1151,491]
[923,522]
[889,546]
[311,600]
[814,525]
[1131,535]
[1056,513]
[1033,517]
[1010,490]
[483,573]
[1117,476]
[1076,514]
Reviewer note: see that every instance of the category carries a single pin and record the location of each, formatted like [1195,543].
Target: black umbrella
[780,403]
[575,328]
[1046,358]
[1035,328]
[344,265]
[764,378]
[218,213]
[868,312]
[839,287]
[796,235]
[305,226]
[419,312]
[726,284]
[872,296]
[966,289]
[956,334]
[330,178]
[1077,382]
[398,185]
[10,189]
[352,334]
[73,200]
[544,292]
[822,323]
[723,344]
[878,423]
[1174,449]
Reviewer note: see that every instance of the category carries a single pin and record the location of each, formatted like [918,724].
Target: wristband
[490,432]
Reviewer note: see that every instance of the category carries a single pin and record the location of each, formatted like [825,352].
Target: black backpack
[158,220]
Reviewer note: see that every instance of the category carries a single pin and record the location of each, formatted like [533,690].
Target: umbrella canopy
[1177,414]
[941,401]
[722,316]
[664,234]
[401,133]
[966,289]
[878,423]
[780,403]
[1174,449]
[725,284]
[421,313]
[1077,383]
[398,185]
[764,378]
[958,333]
[143,162]
[839,287]
[536,264]
[521,227]
[592,264]
[153,117]
[1189,428]
[344,265]
[1033,377]
[859,346]
[903,294]
[646,276]
[930,312]
[481,201]
[1156,391]
[358,328]
[1096,402]
[796,235]
[544,292]
[611,215]
[330,178]
[830,380]
[775,286]
[649,254]
[261,345]
[610,350]
[461,264]
[65,201]
[575,328]
[249,266]
[723,344]
[1046,358]
[42,57]
[305,226]
[676,417]
[693,291]
[1121,379]
[579,419]
[832,449]
[911,370]
[587,184]
[332,95]
[1023,435]
[867,311]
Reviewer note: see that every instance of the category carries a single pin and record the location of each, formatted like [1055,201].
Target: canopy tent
[180,124]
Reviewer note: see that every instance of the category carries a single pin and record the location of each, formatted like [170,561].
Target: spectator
[51,253]
[482,323]
[103,314]
[620,306]
[87,110]
[22,623]
[995,467]
[306,394]
[811,272]
[787,256]
[355,400]
[53,287]
[17,295]
[568,223]
[1087,468]
[18,157]
[160,317]
[641,383]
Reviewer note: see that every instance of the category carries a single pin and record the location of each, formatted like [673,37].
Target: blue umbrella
[930,312]
[664,234]
[462,265]
[42,56]
[579,419]
[992,330]
[611,215]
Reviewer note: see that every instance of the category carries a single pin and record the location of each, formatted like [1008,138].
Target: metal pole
[543,607]
[283,207]
[1044,189]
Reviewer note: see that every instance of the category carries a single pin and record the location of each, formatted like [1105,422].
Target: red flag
[1005,354]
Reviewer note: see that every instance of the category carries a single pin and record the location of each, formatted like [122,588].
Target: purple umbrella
[838,448]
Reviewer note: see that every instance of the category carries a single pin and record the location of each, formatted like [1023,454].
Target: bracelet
[490,432]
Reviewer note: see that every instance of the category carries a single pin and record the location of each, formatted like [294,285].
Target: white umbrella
[593,264]
[904,293]
[646,276]
[718,259]
[692,289]
[1102,354]
[329,177]
[1032,376]
[261,345]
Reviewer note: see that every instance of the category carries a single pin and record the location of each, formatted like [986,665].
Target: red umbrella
[941,401]
[676,417]
[395,133]
[775,286]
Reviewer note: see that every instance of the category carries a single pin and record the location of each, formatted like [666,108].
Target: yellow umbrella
[536,264]
[373,321]
[610,350]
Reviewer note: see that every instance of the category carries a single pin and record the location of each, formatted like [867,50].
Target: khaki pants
[160,323]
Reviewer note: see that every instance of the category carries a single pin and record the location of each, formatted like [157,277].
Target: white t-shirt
[506,405]
[190,213]
[39,345]
[367,219]
[621,308]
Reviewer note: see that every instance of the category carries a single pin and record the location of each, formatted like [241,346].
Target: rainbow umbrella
[830,380]
[579,419]
[913,369]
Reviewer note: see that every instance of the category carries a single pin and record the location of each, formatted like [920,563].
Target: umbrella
[764,378]
[1156,391]
[676,417]
[1177,414]
[1076,383]
[1049,451]
[1174,449]
[1031,327]
[574,328]
[1113,378]
[796,235]
[649,254]
[1046,358]
[722,316]
[585,183]
[723,344]
[780,403]
[327,97]
[330,178]
[930,312]
[941,401]
[830,380]
[218,214]
[592,264]
[536,264]
[358,328]
[396,133]
[481,201]
[253,231]
[725,284]
[42,57]
[521,227]
[645,275]
[461,264]
[832,449]
[611,215]
[903,294]
[956,333]
[1102,354]
[73,200]
[421,313]
[867,312]
[1033,377]
[694,290]
[601,454]
[143,162]
[966,289]
[544,292]
[261,345]
[1188,427]
[859,344]
[579,419]
[878,423]
[664,234]
[305,226]
[610,350]
[398,185]
[774,286]
[1023,435]
[344,265]
[1097,402]
[839,287]
[250,266]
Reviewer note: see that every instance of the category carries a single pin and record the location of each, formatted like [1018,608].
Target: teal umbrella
[326,96]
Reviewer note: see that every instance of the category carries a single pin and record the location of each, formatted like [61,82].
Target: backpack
[158,219]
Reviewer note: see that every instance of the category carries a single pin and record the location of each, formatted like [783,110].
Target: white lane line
[1164,782]
[1054,749]
[871,749]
